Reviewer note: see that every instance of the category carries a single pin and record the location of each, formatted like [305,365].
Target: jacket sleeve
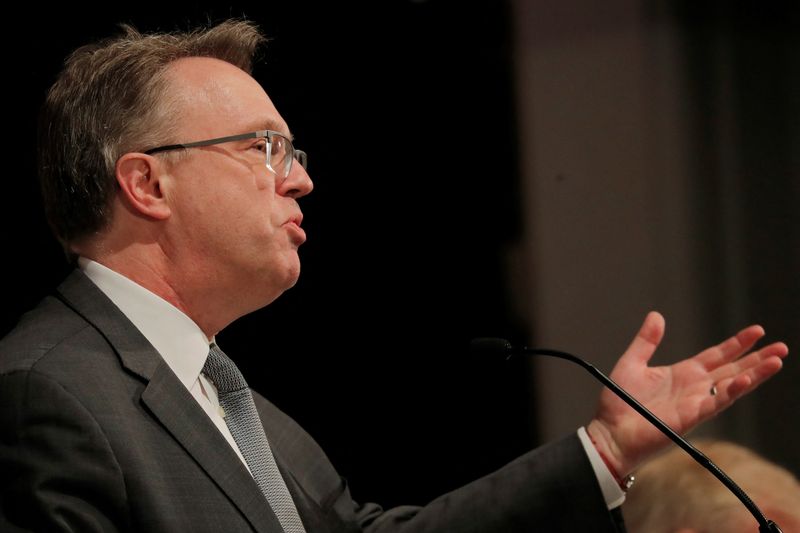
[58,470]
[551,489]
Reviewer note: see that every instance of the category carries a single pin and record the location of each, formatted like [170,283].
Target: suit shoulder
[39,335]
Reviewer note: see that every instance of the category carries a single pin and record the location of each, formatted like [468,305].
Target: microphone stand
[503,346]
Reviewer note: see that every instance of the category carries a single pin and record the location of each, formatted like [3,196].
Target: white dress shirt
[175,336]
[612,492]
[184,347]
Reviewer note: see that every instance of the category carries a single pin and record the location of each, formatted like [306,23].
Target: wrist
[601,439]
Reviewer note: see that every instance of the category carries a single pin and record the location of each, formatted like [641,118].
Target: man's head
[210,227]
[673,494]
[111,98]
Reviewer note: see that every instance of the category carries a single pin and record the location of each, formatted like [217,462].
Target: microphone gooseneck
[496,347]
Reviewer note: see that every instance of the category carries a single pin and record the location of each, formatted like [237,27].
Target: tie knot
[222,371]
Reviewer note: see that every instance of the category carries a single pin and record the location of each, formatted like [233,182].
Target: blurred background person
[674,494]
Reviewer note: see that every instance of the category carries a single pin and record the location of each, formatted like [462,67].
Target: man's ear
[138,176]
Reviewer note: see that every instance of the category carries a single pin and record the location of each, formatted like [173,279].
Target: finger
[731,348]
[777,349]
[644,345]
[742,383]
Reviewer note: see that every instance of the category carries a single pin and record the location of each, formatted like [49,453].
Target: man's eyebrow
[274,125]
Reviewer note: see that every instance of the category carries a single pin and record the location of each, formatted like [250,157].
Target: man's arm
[551,489]
[59,473]
[679,394]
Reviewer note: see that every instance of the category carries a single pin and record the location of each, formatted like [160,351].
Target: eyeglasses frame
[299,155]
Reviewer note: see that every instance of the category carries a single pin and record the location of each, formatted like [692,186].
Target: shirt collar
[181,342]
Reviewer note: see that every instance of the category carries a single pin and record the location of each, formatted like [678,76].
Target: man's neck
[158,278]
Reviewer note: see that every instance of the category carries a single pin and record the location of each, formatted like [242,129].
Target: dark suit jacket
[98,434]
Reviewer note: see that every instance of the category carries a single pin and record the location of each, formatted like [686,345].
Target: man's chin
[288,279]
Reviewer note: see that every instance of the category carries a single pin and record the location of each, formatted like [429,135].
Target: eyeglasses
[279,152]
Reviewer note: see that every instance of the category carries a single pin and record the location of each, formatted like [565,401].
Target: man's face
[232,223]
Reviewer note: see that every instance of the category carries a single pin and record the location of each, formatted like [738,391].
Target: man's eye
[261,146]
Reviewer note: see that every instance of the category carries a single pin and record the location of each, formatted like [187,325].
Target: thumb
[647,339]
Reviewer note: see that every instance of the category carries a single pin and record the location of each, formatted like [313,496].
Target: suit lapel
[177,410]
[169,401]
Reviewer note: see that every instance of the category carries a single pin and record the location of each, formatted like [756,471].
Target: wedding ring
[713,390]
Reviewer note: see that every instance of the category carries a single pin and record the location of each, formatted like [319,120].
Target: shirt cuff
[612,492]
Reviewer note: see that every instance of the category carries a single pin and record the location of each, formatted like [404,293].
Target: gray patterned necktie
[245,426]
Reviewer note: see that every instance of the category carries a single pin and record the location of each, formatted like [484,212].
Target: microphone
[502,347]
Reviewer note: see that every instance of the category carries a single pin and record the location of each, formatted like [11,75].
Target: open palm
[679,394]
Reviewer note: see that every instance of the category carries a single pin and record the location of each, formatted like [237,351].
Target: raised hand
[682,395]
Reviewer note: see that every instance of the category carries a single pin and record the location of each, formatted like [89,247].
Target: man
[674,494]
[169,173]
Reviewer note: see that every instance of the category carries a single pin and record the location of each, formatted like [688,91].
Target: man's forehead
[214,87]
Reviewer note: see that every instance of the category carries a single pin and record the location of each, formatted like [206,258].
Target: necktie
[245,426]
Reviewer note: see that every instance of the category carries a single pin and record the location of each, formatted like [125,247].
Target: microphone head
[491,346]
